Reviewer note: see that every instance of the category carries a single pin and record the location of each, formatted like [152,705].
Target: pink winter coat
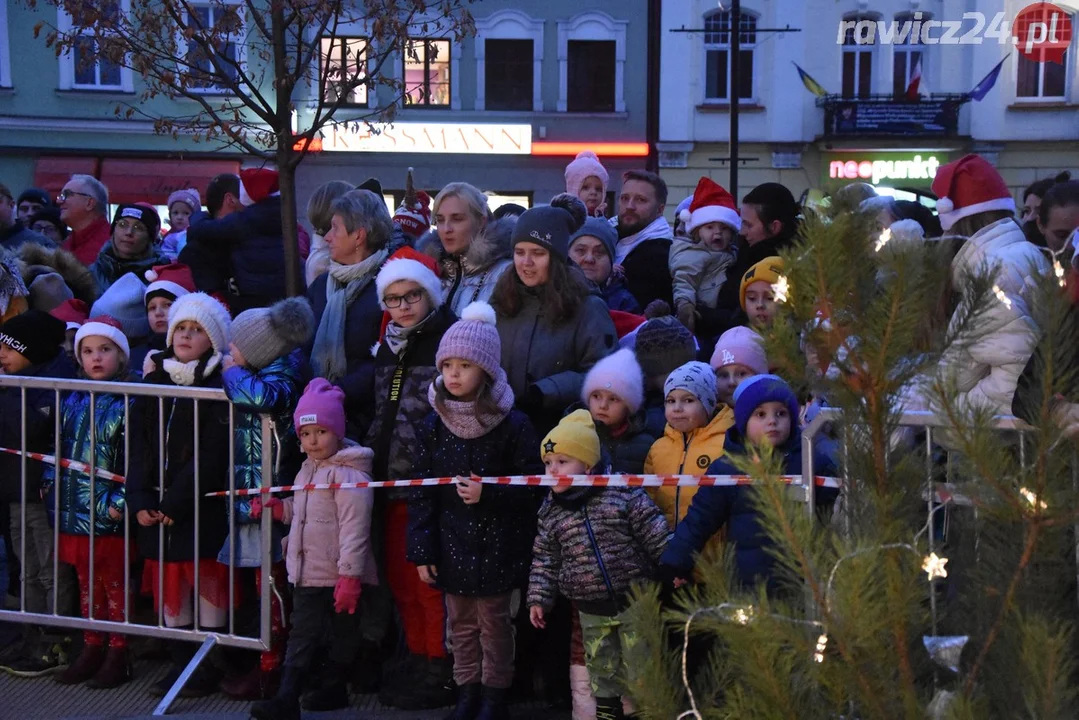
[330,530]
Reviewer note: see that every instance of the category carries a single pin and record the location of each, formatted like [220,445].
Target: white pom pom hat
[711,203]
[619,374]
[208,313]
[969,186]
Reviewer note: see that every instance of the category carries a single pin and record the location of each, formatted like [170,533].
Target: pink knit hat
[740,346]
[474,338]
[321,404]
[187,196]
[585,165]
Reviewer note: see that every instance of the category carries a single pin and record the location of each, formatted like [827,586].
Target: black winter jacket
[647,277]
[481,549]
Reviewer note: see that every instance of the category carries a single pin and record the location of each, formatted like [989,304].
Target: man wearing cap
[30,201]
[13,231]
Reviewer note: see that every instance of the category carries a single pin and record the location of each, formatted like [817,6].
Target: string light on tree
[781,289]
[1002,296]
[885,236]
[822,645]
[743,616]
[1058,270]
[1032,499]
[933,565]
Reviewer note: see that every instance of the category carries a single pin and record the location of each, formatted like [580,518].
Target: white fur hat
[620,374]
[102,326]
[207,312]
[399,269]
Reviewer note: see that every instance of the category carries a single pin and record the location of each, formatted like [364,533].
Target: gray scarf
[397,337]
[343,285]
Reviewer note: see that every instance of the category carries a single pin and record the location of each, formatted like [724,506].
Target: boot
[333,695]
[434,689]
[84,667]
[493,704]
[114,672]
[608,708]
[468,703]
[252,685]
[285,705]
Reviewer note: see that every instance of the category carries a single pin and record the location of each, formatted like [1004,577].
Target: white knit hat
[102,326]
[207,312]
[620,374]
[399,269]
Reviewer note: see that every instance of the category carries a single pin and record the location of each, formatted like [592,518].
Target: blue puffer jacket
[108,452]
[715,507]
[275,389]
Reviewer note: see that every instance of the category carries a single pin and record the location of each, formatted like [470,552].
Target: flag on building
[915,81]
[811,85]
[982,88]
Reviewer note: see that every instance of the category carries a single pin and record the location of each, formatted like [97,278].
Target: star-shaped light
[1032,499]
[548,447]
[743,616]
[885,236]
[933,566]
[781,289]
[822,645]
[1002,296]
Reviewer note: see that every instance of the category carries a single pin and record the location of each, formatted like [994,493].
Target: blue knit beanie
[600,229]
[755,391]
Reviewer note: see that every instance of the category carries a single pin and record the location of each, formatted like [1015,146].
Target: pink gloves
[346,594]
[277,508]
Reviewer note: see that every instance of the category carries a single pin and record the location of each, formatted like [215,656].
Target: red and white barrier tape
[544,481]
[65,463]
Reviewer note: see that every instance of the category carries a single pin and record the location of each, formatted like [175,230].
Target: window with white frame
[908,56]
[344,61]
[592,63]
[5,49]
[220,29]
[859,46]
[509,61]
[1038,78]
[427,72]
[717,56]
[86,66]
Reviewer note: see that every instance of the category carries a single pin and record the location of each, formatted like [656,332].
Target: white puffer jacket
[987,362]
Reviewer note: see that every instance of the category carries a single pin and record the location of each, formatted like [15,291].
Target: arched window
[592,63]
[717,55]
[859,47]
[909,58]
[509,60]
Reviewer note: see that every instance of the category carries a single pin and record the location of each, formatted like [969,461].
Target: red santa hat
[171,281]
[73,312]
[257,184]
[711,203]
[103,326]
[969,186]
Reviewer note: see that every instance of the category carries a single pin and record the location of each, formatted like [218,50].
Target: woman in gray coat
[553,328]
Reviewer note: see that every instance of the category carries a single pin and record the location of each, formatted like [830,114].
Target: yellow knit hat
[767,270]
[576,437]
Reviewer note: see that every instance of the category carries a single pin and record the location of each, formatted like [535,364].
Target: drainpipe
[655,31]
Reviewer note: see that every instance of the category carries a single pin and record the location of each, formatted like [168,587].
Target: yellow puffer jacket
[678,453]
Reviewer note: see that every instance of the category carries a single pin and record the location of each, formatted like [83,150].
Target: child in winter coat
[167,283]
[404,369]
[265,372]
[739,354]
[30,347]
[758,293]
[593,545]
[329,555]
[613,392]
[696,431]
[469,539]
[101,350]
[197,339]
[699,263]
[766,411]
[587,179]
[182,205]
[661,345]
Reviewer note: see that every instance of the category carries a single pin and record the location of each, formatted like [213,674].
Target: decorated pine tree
[943,582]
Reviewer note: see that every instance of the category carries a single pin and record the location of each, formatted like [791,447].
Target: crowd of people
[547,340]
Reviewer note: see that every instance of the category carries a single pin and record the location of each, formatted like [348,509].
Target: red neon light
[301,145]
[600,148]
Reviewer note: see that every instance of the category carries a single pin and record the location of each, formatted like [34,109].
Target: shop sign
[882,169]
[410,137]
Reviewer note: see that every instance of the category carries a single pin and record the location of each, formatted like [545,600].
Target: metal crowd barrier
[199,396]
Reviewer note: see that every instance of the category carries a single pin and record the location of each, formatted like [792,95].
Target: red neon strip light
[600,148]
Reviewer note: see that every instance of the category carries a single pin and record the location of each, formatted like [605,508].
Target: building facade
[504,109]
[866,128]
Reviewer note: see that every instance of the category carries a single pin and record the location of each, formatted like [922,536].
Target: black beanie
[547,226]
[145,214]
[35,335]
[35,195]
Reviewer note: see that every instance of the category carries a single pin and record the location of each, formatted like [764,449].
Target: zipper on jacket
[681,469]
[599,556]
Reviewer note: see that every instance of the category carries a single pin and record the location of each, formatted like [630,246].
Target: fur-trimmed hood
[35,260]
[487,248]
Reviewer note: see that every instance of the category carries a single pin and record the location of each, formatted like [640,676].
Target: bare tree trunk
[286,169]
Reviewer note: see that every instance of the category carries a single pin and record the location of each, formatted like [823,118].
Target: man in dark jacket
[644,237]
[13,231]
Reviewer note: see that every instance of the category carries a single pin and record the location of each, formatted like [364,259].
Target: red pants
[421,607]
[108,578]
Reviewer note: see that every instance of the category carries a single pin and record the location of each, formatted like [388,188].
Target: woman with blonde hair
[473,249]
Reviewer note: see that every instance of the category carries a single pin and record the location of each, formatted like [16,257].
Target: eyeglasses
[65,194]
[411,298]
[44,228]
[133,225]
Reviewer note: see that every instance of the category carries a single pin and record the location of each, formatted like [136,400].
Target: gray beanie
[600,229]
[696,378]
[264,334]
[123,301]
